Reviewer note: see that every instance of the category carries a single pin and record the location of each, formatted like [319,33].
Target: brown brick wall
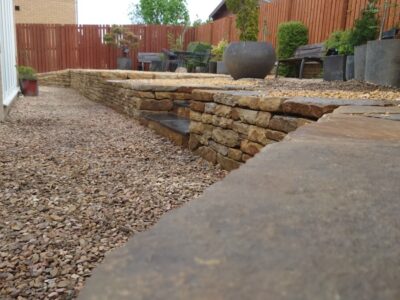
[46,11]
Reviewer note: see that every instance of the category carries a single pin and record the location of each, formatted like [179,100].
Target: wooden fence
[322,17]
[56,47]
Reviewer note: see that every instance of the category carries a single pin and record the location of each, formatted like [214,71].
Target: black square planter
[335,68]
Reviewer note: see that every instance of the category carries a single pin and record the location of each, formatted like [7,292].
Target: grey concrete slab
[368,110]
[171,121]
[392,117]
[314,217]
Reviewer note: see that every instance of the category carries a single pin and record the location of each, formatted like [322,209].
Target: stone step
[181,108]
[168,125]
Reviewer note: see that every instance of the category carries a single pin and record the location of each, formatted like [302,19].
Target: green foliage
[339,41]
[247,12]
[176,43]
[201,57]
[366,27]
[218,50]
[119,37]
[27,73]
[291,35]
[167,12]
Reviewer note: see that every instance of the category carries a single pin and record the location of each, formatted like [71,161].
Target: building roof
[221,7]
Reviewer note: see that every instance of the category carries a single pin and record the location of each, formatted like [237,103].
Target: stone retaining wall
[230,127]
[228,124]
[130,92]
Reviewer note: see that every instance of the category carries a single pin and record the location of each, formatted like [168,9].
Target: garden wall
[230,127]
[130,92]
[230,121]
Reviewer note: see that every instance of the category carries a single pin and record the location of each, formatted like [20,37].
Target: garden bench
[303,54]
[149,58]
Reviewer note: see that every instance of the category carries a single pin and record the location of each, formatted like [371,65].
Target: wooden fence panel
[56,47]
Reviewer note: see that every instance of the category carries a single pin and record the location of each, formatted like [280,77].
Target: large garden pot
[349,67]
[360,54]
[335,68]
[249,59]
[124,63]
[383,63]
[221,68]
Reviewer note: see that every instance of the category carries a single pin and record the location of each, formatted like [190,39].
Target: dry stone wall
[229,127]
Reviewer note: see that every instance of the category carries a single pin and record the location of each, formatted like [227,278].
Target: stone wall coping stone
[313,107]
[367,110]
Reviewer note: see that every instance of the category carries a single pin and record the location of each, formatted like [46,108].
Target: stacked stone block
[229,127]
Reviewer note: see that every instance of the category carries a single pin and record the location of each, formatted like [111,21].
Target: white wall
[8,71]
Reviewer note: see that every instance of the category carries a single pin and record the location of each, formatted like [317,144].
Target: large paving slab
[313,217]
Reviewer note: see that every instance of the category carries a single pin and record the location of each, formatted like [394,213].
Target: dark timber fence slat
[56,47]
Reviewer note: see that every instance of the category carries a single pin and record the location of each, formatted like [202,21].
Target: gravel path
[77,180]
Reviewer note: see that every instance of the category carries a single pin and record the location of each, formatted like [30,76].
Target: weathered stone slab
[335,126]
[221,149]
[226,137]
[245,115]
[196,127]
[258,134]
[275,135]
[271,104]
[235,154]
[210,107]
[195,116]
[240,127]
[287,124]
[154,105]
[222,122]
[194,142]
[207,153]
[197,106]
[227,163]
[359,110]
[392,117]
[223,111]
[311,218]
[207,118]
[317,107]
[203,95]
[263,119]
[249,147]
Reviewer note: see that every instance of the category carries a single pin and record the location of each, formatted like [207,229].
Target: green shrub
[366,27]
[218,50]
[204,49]
[339,43]
[27,73]
[291,35]
[247,12]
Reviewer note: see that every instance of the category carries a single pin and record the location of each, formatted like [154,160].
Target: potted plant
[382,65]
[216,62]
[198,57]
[125,40]
[365,29]
[28,81]
[248,58]
[339,61]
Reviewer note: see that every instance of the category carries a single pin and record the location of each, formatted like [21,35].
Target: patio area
[76,181]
